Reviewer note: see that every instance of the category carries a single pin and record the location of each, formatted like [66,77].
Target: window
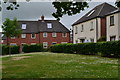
[23,26]
[13,37]
[44,34]
[13,44]
[92,27]
[33,43]
[54,34]
[76,30]
[53,43]
[64,34]
[82,28]
[112,38]
[23,35]
[49,25]
[111,20]
[91,13]
[91,40]
[63,42]
[33,35]
[76,41]
[45,45]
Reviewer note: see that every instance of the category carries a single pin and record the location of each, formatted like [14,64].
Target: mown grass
[53,65]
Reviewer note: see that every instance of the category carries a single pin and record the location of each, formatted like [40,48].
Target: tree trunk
[8,44]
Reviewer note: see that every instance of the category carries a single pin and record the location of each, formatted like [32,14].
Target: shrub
[107,49]
[32,48]
[13,49]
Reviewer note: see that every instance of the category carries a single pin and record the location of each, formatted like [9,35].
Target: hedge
[32,48]
[13,49]
[107,49]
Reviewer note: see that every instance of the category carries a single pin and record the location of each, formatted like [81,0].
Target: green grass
[53,65]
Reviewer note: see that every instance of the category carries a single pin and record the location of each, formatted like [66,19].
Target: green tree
[63,7]
[11,29]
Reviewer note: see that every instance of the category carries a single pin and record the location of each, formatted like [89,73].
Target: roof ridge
[101,8]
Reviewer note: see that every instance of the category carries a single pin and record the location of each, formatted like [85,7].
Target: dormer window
[49,25]
[23,26]
[91,13]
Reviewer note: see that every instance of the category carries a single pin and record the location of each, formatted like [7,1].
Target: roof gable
[99,11]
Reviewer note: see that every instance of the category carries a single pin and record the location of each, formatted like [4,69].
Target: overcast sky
[34,10]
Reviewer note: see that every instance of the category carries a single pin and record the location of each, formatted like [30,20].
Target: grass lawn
[53,65]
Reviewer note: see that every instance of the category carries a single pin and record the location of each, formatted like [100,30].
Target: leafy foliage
[32,48]
[118,3]
[14,49]
[69,8]
[11,28]
[107,49]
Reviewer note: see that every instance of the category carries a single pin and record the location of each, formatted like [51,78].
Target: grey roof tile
[100,11]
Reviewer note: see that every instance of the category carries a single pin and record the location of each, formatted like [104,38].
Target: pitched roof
[39,26]
[99,11]
[113,12]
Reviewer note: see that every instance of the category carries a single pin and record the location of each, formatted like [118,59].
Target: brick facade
[40,39]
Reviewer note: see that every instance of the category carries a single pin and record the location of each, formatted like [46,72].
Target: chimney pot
[42,18]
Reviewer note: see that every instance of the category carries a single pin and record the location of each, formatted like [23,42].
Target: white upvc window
[13,44]
[76,30]
[82,28]
[45,34]
[33,43]
[64,42]
[23,35]
[112,21]
[45,44]
[24,26]
[13,37]
[53,43]
[64,34]
[49,25]
[92,26]
[54,34]
[33,35]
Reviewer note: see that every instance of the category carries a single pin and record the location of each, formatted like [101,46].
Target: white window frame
[24,26]
[92,26]
[33,43]
[82,28]
[45,44]
[64,42]
[76,29]
[49,25]
[23,35]
[112,20]
[54,34]
[54,42]
[13,43]
[13,37]
[33,37]
[63,34]
[44,34]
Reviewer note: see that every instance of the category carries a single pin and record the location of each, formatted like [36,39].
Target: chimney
[42,18]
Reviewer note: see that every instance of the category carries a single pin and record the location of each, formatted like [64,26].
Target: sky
[34,11]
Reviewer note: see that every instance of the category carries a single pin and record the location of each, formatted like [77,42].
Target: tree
[63,7]
[11,29]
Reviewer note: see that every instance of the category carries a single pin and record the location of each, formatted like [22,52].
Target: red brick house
[48,32]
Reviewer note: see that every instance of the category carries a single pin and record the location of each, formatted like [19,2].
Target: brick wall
[103,26]
[40,39]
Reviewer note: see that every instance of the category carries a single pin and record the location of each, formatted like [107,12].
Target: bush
[32,48]
[13,49]
[107,49]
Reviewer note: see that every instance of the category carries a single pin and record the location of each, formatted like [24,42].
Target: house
[92,26]
[47,32]
[113,25]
